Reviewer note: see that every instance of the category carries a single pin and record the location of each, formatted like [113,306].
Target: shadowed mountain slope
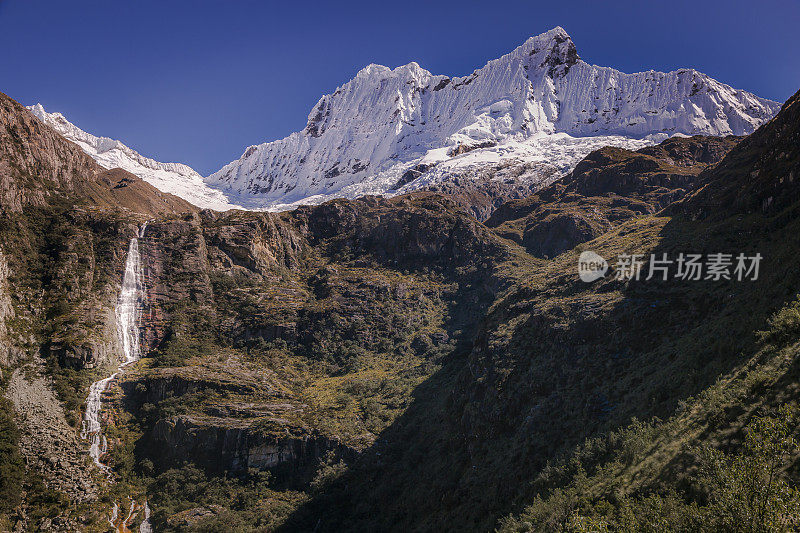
[576,401]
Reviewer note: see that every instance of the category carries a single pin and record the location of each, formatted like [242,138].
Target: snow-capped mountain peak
[531,114]
[175,178]
[540,99]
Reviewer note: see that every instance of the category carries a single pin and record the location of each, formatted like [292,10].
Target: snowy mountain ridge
[175,178]
[525,118]
[367,135]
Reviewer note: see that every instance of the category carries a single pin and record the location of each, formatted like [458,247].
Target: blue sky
[198,81]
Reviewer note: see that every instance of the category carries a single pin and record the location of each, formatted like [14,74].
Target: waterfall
[128,306]
[114,515]
[91,422]
[127,312]
[145,526]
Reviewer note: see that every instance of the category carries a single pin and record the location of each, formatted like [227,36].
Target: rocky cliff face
[255,432]
[225,445]
[38,166]
[35,159]
[422,230]
[7,351]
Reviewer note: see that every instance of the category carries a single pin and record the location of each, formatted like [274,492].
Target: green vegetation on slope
[12,469]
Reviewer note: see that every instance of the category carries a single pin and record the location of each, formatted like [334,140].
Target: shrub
[784,326]
[12,469]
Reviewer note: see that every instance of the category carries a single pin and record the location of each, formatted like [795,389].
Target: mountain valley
[423,357]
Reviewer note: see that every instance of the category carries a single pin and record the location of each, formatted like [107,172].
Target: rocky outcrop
[35,160]
[180,256]
[652,172]
[86,355]
[412,174]
[176,270]
[161,384]
[480,191]
[257,243]
[9,354]
[608,187]
[560,231]
[83,284]
[418,230]
[89,344]
[220,444]
[191,517]
[251,423]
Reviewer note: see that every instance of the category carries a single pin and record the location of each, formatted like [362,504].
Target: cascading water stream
[128,312]
[145,526]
